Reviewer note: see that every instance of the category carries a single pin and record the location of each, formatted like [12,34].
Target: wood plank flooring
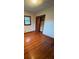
[38,46]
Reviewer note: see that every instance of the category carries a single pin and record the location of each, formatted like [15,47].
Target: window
[27,20]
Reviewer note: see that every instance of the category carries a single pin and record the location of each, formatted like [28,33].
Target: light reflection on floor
[28,40]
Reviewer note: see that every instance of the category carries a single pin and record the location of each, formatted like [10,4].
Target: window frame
[24,20]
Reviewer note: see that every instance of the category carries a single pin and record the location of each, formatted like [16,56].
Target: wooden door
[38,22]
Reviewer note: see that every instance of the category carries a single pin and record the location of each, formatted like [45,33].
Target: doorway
[40,23]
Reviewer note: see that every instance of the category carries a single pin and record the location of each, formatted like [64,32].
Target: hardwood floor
[38,46]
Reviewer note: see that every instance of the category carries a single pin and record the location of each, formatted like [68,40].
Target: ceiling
[38,6]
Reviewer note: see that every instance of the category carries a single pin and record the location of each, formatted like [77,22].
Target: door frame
[37,27]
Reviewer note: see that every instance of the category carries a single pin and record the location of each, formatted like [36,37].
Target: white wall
[32,26]
[49,21]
